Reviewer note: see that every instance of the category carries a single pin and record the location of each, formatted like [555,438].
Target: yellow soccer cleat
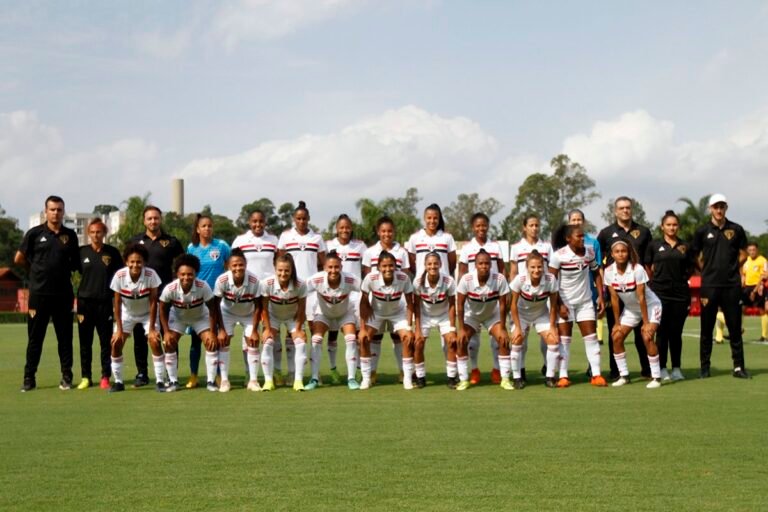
[279,379]
[84,384]
[192,382]
[462,385]
[506,385]
[268,386]
[298,385]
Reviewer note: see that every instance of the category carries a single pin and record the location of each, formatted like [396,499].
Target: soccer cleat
[253,385]
[400,377]
[85,383]
[518,383]
[598,381]
[373,378]
[704,373]
[172,387]
[66,383]
[550,382]
[589,372]
[117,387]
[140,380]
[421,382]
[564,382]
[365,384]
[298,385]
[312,384]
[217,380]
[463,385]
[665,376]
[192,382]
[225,386]
[279,379]
[740,373]
[210,386]
[474,376]
[104,383]
[621,381]
[269,385]
[522,375]
[544,371]
[160,386]
[28,385]
[496,376]
[506,385]
[335,377]
[654,384]
[353,385]
[451,382]
[408,385]
[677,374]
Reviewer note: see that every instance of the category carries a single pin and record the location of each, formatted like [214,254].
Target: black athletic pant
[669,337]
[140,349]
[94,314]
[42,310]
[642,354]
[729,300]
[195,352]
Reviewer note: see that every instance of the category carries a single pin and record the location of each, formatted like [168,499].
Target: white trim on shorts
[398,323]
[581,312]
[476,323]
[632,319]
[176,325]
[441,322]
[230,321]
[335,324]
[129,322]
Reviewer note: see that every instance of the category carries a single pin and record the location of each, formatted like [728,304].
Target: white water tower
[177,196]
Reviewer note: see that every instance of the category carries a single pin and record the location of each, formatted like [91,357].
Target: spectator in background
[755,271]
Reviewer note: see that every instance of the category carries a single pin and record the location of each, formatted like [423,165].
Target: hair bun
[302,204]
[669,212]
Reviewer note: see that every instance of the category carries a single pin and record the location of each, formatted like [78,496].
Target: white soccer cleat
[253,385]
[677,374]
[224,386]
[366,384]
[665,376]
[654,384]
[621,381]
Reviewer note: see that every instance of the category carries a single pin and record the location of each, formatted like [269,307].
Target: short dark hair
[237,253]
[149,208]
[136,248]
[623,198]
[186,260]
[53,199]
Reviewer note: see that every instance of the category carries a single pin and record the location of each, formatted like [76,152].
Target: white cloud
[164,46]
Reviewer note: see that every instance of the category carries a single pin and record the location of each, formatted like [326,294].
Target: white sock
[398,349]
[171,366]
[211,364]
[351,355]
[621,362]
[365,368]
[462,364]
[159,363]
[655,367]
[299,359]
[290,355]
[316,355]
[495,353]
[421,370]
[253,362]
[523,352]
[332,349]
[450,369]
[375,355]
[553,359]
[565,355]
[276,356]
[407,371]
[224,363]
[474,349]
[267,359]
[117,368]
[516,352]
[504,366]
[592,347]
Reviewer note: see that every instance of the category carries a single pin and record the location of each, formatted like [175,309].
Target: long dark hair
[287,258]
[561,234]
[436,208]
[423,276]
[195,235]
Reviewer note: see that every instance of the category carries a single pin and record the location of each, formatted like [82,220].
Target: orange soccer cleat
[564,382]
[598,381]
[496,376]
[474,376]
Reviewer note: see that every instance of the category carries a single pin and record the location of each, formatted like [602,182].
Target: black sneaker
[172,387]
[704,373]
[28,385]
[160,387]
[518,383]
[550,382]
[452,382]
[613,375]
[117,387]
[140,380]
[66,383]
[421,382]
[740,373]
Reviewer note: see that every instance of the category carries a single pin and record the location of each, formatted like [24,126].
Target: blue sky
[297,99]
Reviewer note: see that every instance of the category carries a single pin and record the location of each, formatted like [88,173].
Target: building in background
[78,221]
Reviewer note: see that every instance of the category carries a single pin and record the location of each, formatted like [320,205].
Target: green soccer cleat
[506,385]
[462,385]
[269,385]
[312,384]
[298,385]
[335,377]
[353,385]
[84,384]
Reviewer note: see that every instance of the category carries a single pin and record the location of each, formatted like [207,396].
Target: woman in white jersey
[350,251]
[627,280]
[434,296]
[480,225]
[188,302]
[308,251]
[387,287]
[284,298]
[534,305]
[571,262]
[238,293]
[432,238]
[482,301]
[336,291]
[136,291]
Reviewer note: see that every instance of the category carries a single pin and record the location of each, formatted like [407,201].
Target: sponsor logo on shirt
[635,233]
[729,233]
[106,259]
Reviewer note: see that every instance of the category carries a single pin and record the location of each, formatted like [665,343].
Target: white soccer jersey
[282,303]
[482,301]
[386,299]
[333,302]
[574,274]
[188,307]
[259,252]
[625,285]
[134,295]
[435,301]
[237,300]
[470,249]
[422,244]
[351,255]
[304,249]
[534,300]
[371,256]
[520,251]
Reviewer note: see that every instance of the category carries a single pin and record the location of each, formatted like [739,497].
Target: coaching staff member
[163,249]
[50,252]
[639,237]
[722,246]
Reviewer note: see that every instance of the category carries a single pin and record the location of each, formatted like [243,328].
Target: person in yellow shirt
[753,276]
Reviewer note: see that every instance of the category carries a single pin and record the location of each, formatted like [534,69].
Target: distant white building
[78,221]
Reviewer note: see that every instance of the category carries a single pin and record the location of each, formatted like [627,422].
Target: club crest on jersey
[65,238]
[165,243]
[214,255]
[431,248]
[302,246]
[258,248]
[729,234]
[32,313]
[682,248]
[635,233]
[80,318]
[343,256]
[704,301]
[106,259]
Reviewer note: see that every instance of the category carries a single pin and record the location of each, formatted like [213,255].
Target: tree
[550,197]
[104,209]
[277,221]
[694,215]
[10,239]
[458,214]
[223,227]
[402,210]
[638,214]
[134,220]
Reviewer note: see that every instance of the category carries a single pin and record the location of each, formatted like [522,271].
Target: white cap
[717,198]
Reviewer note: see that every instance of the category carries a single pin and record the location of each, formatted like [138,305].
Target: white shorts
[311,305]
[230,321]
[634,318]
[290,324]
[334,324]
[397,323]
[581,312]
[440,322]
[540,324]
[130,322]
[477,323]
[199,326]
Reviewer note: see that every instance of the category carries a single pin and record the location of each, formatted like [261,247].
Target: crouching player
[238,293]
[627,280]
[188,302]
[136,288]
[334,311]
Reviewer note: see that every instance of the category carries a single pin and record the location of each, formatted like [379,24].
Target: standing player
[98,262]
[482,301]
[182,306]
[335,290]
[213,254]
[136,289]
[351,253]
[239,296]
[283,302]
[387,287]
[577,218]
[434,296]
[480,225]
[755,271]
[308,252]
[572,262]
[626,279]
[432,238]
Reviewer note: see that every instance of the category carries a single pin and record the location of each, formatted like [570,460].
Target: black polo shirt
[720,248]
[162,251]
[97,269]
[637,235]
[52,258]
[672,266]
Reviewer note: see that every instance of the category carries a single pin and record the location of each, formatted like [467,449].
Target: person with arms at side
[50,254]
[577,218]
[755,272]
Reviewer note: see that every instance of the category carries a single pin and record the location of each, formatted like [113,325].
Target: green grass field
[693,445]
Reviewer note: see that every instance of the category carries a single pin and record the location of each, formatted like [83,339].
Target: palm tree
[694,215]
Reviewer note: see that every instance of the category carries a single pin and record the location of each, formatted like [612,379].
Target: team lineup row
[265,283]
